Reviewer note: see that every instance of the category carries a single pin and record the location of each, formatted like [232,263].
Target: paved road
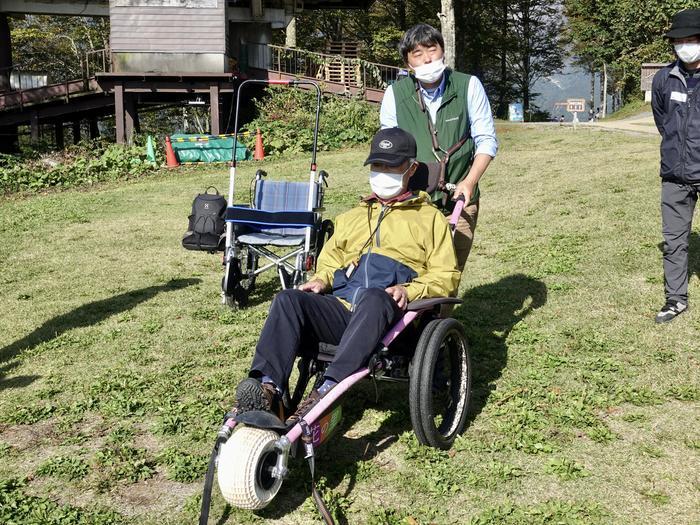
[642,123]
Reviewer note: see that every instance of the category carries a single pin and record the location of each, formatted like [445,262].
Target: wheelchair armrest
[427,304]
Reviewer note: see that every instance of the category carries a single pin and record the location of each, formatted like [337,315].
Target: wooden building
[162,51]
[647,76]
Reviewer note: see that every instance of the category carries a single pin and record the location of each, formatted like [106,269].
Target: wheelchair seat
[278,215]
[262,239]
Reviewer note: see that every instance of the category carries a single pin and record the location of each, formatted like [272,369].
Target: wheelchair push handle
[454,217]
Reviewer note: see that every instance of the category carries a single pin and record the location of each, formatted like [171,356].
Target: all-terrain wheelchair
[282,224]
[423,349]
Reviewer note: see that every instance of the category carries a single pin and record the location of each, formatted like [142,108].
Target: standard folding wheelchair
[283,223]
[423,349]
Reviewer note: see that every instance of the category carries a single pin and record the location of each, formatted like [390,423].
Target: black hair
[420,35]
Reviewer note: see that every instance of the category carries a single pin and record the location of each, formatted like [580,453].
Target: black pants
[677,206]
[298,321]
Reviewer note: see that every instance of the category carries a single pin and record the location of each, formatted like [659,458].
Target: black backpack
[207,225]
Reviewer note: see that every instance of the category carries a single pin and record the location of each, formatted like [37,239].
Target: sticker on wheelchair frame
[324,426]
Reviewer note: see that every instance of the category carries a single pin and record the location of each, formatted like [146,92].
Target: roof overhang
[56,7]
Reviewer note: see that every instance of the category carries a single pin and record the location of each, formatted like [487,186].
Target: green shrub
[86,163]
[286,120]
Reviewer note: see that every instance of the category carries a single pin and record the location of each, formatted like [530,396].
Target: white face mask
[688,53]
[430,72]
[386,185]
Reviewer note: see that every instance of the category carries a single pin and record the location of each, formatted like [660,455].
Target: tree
[447,28]
[57,45]
[536,26]
[621,34]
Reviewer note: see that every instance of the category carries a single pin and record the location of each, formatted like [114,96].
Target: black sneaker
[251,394]
[670,311]
[304,407]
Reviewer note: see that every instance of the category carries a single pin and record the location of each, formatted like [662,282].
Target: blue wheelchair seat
[278,216]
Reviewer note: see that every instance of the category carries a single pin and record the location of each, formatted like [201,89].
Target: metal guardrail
[353,72]
[98,61]
[92,62]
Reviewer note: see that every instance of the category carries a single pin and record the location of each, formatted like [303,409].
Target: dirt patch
[157,494]
[23,437]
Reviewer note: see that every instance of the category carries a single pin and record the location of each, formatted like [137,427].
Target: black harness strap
[307,439]
[209,481]
[442,156]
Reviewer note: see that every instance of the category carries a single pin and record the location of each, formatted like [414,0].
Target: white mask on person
[688,53]
[386,185]
[430,72]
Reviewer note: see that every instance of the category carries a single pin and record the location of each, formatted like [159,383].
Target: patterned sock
[268,379]
[326,386]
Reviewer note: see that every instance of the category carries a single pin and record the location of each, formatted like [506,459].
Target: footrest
[261,419]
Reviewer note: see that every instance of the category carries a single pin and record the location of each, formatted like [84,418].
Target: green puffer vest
[452,124]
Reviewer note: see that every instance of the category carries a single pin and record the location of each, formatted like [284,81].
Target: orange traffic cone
[170,157]
[259,151]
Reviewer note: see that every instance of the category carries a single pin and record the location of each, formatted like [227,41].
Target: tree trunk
[291,34]
[604,92]
[525,56]
[502,106]
[447,23]
[5,53]
[401,7]
[592,99]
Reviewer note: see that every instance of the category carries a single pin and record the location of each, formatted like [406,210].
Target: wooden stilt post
[214,109]
[130,117]
[60,141]
[34,124]
[94,129]
[119,113]
[76,131]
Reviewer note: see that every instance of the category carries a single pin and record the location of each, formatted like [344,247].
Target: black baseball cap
[684,24]
[392,146]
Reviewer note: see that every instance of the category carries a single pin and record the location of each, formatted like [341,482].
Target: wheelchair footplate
[261,419]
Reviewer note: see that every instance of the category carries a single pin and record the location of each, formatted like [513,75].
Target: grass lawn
[117,361]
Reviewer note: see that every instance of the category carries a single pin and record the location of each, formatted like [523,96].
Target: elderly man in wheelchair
[391,250]
[373,308]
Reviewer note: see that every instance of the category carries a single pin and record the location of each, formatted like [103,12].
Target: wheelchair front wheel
[245,468]
[238,283]
[440,384]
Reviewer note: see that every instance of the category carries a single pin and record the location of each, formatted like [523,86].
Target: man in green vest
[450,117]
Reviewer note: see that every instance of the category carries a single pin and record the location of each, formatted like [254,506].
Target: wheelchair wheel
[245,468]
[440,384]
[238,283]
[324,233]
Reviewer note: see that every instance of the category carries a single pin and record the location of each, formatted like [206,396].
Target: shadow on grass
[694,254]
[488,313]
[85,315]
[264,291]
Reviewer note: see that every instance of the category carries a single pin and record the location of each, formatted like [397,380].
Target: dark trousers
[298,321]
[677,206]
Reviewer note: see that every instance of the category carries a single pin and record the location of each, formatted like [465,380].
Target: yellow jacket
[412,246]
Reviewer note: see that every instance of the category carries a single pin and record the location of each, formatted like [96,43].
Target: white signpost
[574,106]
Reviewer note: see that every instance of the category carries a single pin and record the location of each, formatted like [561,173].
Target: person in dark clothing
[676,107]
